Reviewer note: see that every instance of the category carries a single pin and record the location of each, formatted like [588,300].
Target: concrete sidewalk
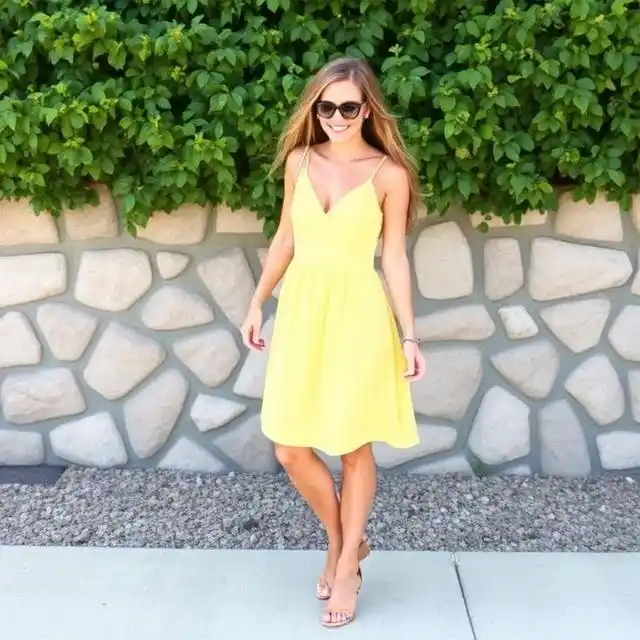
[67,593]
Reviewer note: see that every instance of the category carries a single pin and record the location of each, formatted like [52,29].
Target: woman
[338,371]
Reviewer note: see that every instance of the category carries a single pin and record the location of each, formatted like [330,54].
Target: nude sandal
[323,589]
[338,617]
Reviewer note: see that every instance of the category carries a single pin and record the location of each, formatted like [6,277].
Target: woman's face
[345,123]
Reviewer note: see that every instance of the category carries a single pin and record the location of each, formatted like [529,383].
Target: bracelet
[415,340]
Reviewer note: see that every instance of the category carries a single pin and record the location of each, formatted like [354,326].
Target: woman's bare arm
[394,261]
[281,248]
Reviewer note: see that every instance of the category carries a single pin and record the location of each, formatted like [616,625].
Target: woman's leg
[313,481]
[356,499]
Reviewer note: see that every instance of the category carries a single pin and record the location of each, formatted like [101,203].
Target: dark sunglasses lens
[350,110]
[326,109]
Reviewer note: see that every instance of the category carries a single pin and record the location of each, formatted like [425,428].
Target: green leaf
[582,102]
[617,176]
[129,201]
[405,91]
[464,186]
[614,59]
[473,29]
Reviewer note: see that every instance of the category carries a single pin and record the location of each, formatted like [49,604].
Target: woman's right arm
[279,256]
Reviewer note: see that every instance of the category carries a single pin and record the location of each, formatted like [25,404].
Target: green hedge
[172,101]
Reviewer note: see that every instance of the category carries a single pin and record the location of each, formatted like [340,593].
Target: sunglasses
[348,110]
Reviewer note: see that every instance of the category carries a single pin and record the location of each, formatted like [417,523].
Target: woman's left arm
[395,263]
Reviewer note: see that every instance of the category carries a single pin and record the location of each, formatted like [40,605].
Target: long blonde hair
[381,132]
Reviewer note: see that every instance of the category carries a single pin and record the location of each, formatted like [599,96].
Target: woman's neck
[346,151]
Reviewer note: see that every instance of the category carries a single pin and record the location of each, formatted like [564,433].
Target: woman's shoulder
[292,161]
[297,152]
[391,170]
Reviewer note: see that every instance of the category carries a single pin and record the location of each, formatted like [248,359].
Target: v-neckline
[340,200]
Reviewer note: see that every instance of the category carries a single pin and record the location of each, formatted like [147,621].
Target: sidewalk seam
[456,567]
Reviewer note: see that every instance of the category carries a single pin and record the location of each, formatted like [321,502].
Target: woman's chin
[338,134]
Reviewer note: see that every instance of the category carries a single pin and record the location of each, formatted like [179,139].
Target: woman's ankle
[348,563]
[334,543]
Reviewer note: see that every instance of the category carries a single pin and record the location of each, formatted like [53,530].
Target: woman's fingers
[419,367]
[247,333]
[415,365]
[256,342]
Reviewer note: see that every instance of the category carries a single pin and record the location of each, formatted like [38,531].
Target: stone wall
[123,351]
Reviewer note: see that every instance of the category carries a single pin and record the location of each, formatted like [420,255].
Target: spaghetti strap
[301,162]
[373,175]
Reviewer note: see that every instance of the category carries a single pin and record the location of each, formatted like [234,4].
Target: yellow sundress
[334,377]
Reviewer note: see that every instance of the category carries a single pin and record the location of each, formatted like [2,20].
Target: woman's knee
[361,455]
[291,456]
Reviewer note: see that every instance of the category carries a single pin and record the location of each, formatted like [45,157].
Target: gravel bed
[160,508]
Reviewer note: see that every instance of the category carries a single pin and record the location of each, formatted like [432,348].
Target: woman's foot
[323,588]
[341,608]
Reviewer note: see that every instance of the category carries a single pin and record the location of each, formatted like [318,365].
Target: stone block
[433,439]
[501,430]
[20,448]
[635,212]
[211,356]
[251,379]
[172,308]
[43,395]
[186,225]
[517,322]
[31,277]
[237,221]
[21,225]
[578,324]
[122,359]
[596,386]
[211,412]
[467,322]
[91,441]
[531,368]
[151,414]
[563,448]
[66,330]
[599,220]
[635,285]
[186,455]
[450,382]
[562,269]
[619,450]
[634,393]
[442,260]
[248,447]
[171,265]
[624,334]
[230,282]
[93,222]
[113,279]
[18,342]
[503,272]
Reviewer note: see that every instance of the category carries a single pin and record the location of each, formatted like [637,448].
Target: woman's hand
[250,330]
[415,362]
